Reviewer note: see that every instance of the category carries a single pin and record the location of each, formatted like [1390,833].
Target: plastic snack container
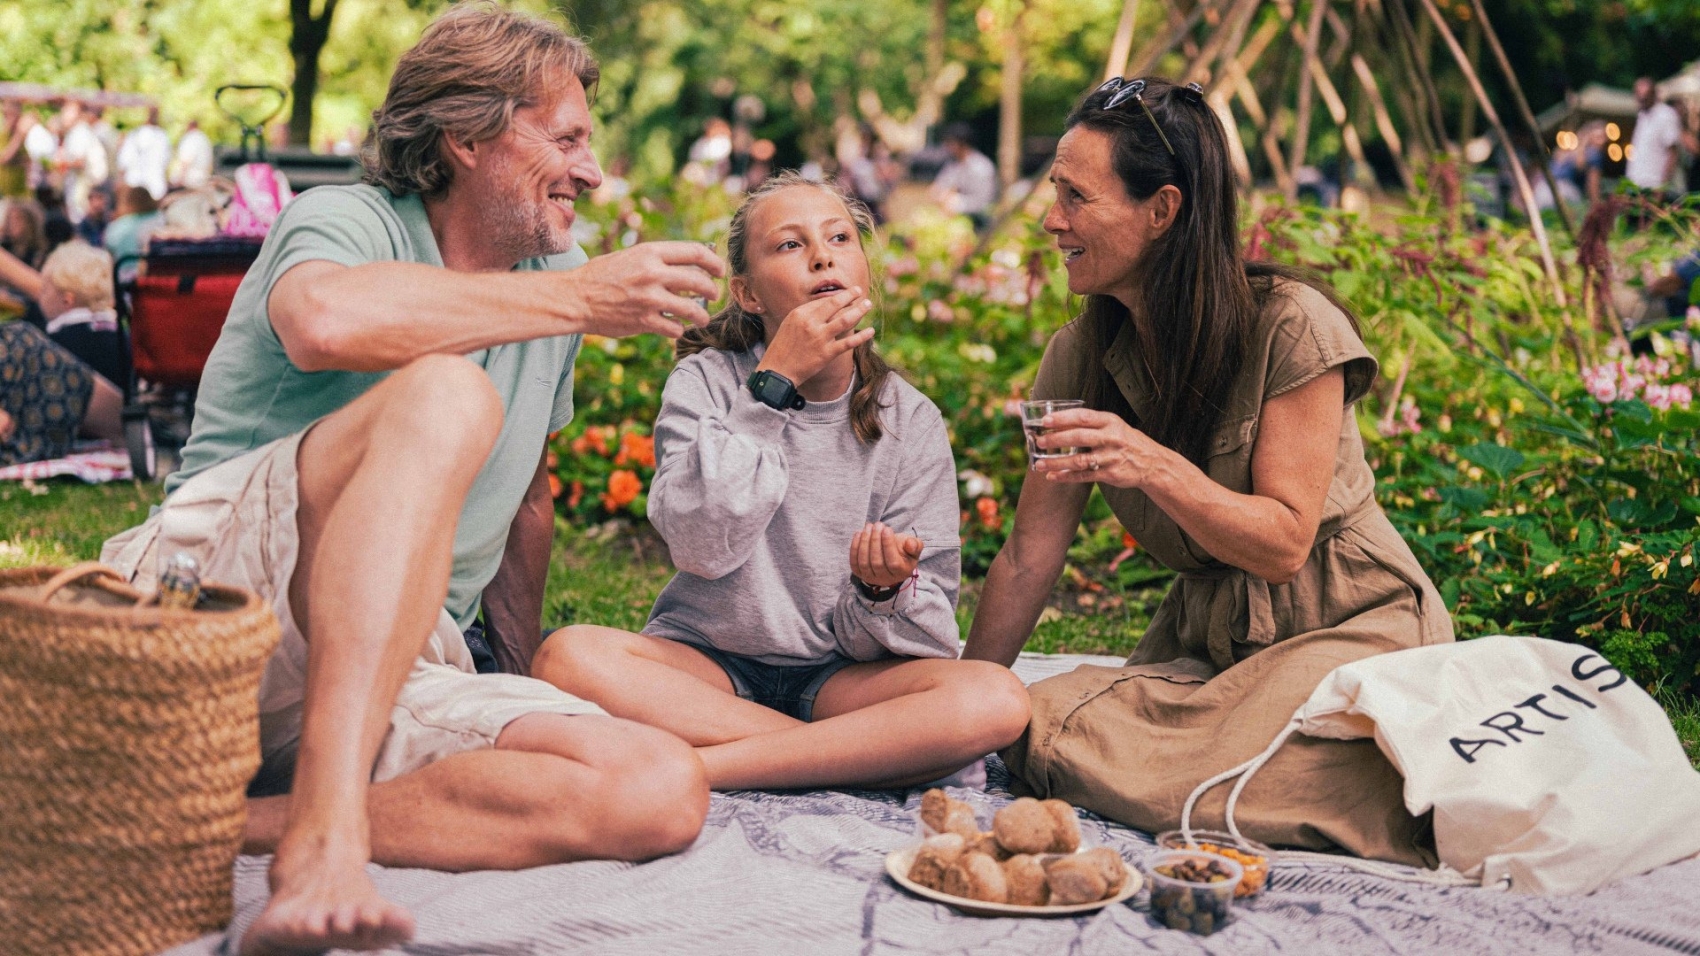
[1199,906]
[1253,856]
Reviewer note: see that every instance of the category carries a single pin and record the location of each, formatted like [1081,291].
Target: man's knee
[662,791]
[444,400]
[646,796]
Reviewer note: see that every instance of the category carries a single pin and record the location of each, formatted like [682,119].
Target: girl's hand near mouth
[815,333]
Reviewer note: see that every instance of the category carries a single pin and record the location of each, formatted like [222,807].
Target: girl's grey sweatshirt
[758,507]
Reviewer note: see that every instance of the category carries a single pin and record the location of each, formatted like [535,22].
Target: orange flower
[643,449]
[1128,542]
[987,510]
[623,489]
[577,494]
[636,448]
[554,486]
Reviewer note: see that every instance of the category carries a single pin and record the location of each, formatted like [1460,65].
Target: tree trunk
[1528,116]
[1121,47]
[1467,115]
[1009,100]
[1301,126]
[306,41]
[1517,173]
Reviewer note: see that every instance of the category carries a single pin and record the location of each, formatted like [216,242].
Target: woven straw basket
[127,739]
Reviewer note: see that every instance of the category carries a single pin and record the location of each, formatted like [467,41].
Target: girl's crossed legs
[883,724]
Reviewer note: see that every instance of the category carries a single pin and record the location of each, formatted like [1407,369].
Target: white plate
[898,862]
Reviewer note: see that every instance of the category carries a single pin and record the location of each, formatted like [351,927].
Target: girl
[808,497]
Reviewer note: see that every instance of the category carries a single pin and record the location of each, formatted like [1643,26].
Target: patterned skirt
[45,389]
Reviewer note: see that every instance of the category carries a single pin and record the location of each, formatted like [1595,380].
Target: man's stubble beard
[519,225]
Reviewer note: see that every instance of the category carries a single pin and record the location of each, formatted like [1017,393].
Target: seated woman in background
[76,300]
[808,496]
[47,396]
[137,215]
[23,236]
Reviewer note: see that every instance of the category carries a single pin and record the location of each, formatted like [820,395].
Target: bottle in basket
[180,584]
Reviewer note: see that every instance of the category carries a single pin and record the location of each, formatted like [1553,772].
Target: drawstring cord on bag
[1441,876]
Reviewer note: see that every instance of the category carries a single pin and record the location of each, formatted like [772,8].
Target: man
[144,155]
[368,452]
[968,184]
[1653,149]
[82,158]
[192,167]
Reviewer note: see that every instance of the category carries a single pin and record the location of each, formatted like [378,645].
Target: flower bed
[1549,483]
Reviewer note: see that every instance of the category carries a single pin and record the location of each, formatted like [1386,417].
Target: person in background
[106,134]
[859,169]
[15,125]
[22,239]
[76,301]
[968,184]
[82,160]
[144,156]
[96,214]
[47,395]
[41,144]
[192,167]
[137,216]
[710,158]
[23,234]
[1653,149]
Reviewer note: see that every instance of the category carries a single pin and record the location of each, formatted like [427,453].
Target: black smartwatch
[874,592]
[775,391]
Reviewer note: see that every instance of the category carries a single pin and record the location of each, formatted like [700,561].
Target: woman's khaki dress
[1229,657]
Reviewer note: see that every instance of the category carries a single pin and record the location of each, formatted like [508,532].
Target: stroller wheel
[138,437]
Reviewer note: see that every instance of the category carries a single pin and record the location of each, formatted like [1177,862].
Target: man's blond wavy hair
[473,67]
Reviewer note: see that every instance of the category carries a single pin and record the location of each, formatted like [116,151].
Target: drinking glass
[1032,414]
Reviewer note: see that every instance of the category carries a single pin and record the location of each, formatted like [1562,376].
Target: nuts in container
[1253,856]
[1192,890]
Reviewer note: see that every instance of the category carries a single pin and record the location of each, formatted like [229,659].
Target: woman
[808,496]
[1218,428]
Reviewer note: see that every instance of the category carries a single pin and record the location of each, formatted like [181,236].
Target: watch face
[772,389]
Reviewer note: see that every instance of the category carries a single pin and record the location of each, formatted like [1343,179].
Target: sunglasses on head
[1124,90]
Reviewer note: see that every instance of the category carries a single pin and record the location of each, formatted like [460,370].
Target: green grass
[610,575]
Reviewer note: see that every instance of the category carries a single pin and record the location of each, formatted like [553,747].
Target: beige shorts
[238,521]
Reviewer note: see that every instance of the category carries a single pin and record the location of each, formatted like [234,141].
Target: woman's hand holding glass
[883,558]
[1111,451]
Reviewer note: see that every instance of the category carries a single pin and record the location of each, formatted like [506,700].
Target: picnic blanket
[93,462]
[785,873]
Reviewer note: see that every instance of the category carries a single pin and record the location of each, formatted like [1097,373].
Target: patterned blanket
[785,873]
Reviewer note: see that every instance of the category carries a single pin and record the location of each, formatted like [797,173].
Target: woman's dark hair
[31,247]
[1200,301]
[734,330]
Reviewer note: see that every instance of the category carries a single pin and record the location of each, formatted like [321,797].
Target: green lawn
[603,575]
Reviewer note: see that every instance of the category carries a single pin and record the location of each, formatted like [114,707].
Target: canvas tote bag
[1547,769]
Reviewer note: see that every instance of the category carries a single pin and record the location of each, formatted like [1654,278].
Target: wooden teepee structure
[1369,62]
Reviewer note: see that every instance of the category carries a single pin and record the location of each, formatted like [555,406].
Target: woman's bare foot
[322,899]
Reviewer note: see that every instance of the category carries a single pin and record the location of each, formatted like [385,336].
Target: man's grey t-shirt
[252,394]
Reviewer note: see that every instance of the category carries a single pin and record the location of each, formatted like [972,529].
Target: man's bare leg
[381,485]
[554,789]
[885,724]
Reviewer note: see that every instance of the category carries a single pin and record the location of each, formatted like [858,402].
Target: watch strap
[874,593]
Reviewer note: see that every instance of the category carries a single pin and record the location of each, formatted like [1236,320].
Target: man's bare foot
[321,901]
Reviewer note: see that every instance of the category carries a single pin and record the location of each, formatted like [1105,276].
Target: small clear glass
[1033,415]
